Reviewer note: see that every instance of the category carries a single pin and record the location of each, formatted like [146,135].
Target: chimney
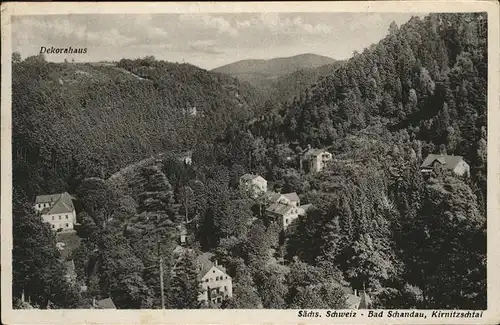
[216,264]
[93,303]
[355,292]
[22,296]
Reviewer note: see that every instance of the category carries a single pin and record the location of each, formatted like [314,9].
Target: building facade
[456,164]
[57,210]
[315,160]
[216,284]
[285,215]
[253,185]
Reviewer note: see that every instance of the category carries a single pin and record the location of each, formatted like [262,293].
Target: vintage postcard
[250,163]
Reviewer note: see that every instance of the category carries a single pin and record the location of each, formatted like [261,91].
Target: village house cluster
[284,209]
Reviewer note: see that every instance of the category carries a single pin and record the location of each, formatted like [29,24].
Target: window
[225,288]
[59,217]
[213,271]
[67,225]
[206,280]
[219,299]
[66,217]
[52,217]
[226,277]
[53,226]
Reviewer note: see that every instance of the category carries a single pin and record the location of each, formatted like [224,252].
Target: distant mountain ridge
[282,79]
[248,69]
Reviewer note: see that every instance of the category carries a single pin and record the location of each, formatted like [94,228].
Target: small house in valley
[287,199]
[103,304]
[284,214]
[315,160]
[216,284]
[456,164]
[252,185]
[57,210]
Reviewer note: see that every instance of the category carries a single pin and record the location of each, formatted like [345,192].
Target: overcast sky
[205,40]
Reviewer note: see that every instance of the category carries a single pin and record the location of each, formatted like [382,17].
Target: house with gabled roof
[103,304]
[216,284]
[286,215]
[57,210]
[287,199]
[315,160]
[252,185]
[455,164]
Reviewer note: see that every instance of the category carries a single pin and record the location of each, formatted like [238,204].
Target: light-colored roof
[279,208]
[105,304]
[306,207]
[352,300]
[249,177]
[292,196]
[448,161]
[365,300]
[70,266]
[60,203]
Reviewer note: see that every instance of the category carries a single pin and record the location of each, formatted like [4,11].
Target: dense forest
[377,223]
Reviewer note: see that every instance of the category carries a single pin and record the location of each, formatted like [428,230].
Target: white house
[286,199]
[285,214]
[315,160]
[57,210]
[253,185]
[216,284]
[454,163]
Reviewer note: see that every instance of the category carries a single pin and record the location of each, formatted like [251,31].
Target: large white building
[216,284]
[57,210]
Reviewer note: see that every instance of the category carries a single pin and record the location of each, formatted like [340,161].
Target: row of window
[60,217]
[54,226]
[217,278]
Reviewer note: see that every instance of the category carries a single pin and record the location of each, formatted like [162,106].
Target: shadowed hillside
[91,120]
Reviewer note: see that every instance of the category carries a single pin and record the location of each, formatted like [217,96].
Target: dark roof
[205,264]
[59,203]
[292,196]
[273,196]
[105,304]
[449,162]
[279,208]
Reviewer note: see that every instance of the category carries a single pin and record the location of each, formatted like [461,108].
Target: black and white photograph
[331,163]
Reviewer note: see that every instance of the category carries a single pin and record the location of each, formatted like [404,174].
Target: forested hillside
[253,69]
[412,241]
[281,79]
[82,120]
